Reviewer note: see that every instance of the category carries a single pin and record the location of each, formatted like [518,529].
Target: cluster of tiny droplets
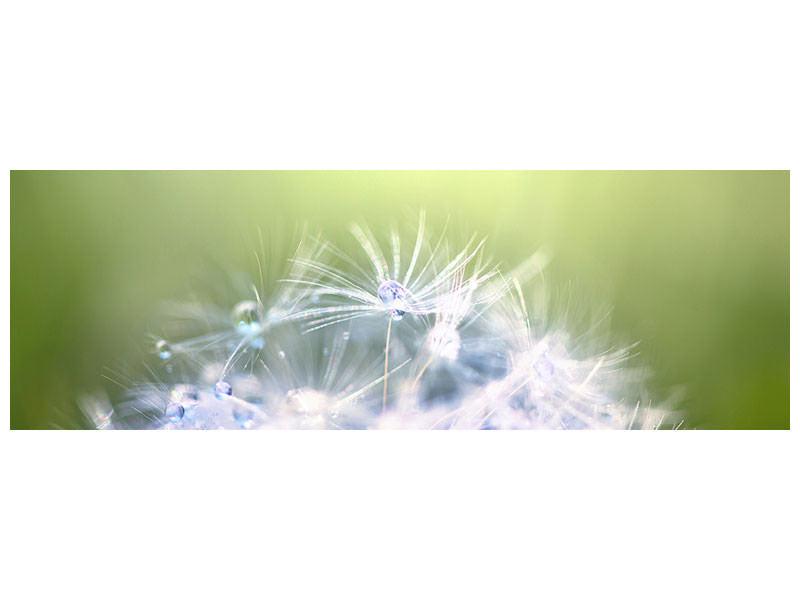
[320,351]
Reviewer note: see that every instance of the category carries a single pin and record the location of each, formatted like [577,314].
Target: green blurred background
[695,264]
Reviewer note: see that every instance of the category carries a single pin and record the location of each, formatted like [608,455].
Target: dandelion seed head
[482,351]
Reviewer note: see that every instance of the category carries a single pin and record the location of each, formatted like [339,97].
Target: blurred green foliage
[695,264]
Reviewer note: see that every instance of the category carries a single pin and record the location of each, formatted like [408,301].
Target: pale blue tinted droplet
[184,393]
[247,317]
[174,412]
[243,416]
[222,389]
[163,349]
[544,368]
[393,295]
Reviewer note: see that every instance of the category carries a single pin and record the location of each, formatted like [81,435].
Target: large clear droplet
[223,389]
[174,412]
[163,349]
[394,296]
[247,317]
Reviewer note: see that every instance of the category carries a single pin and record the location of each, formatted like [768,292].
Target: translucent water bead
[243,416]
[174,412]
[163,349]
[247,317]
[393,295]
[184,393]
[222,389]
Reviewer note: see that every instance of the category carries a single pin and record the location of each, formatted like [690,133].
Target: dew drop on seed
[174,412]
[184,393]
[243,416]
[222,389]
[393,295]
[164,350]
[247,317]
[544,368]
[102,412]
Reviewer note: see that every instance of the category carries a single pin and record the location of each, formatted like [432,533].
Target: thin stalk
[427,364]
[386,362]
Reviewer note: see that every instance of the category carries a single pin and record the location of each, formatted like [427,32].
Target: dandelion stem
[427,364]
[386,363]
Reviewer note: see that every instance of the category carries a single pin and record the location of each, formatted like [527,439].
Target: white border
[359,85]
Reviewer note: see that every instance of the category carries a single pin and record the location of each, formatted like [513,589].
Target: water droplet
[222,389]
[393,295]
[243,416]
[174,412]
[544,368]
[102,413]
[163,349]
[247,317]
[184,393]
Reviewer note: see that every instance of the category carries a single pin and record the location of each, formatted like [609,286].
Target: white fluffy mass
[422,336]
